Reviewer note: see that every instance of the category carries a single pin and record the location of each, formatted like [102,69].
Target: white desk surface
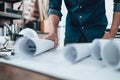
[53,63]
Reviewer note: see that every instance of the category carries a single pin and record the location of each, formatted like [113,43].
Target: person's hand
[108,35]
[53,37]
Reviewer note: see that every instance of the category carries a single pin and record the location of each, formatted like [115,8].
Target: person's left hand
[108,35]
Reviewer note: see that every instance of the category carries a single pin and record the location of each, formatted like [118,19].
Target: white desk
[53,63]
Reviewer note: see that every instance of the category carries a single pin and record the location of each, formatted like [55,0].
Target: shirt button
[82,27]
[80,16]
[80,6]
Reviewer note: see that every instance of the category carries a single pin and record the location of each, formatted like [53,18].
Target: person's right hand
[53,37]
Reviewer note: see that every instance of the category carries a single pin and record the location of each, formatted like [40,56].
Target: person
[85,21]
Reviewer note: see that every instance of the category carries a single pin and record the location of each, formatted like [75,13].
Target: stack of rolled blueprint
[107,50]
[31,45]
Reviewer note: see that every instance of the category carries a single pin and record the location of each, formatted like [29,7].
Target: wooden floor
[8,72]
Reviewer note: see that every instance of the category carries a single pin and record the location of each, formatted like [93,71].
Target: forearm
[115,23]
[53,24]
[55,15]
[53,21]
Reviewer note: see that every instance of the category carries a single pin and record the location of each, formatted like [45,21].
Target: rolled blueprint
[111,54]
[32,46]
[97,47]
[2,40]
[27,32]
[77,52]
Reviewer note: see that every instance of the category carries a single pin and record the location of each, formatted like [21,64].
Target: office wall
[109,11]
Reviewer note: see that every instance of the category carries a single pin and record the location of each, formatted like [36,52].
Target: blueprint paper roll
[2,40]
[111,54]
[77,52]
[27,32]
[96,47]
[32,46]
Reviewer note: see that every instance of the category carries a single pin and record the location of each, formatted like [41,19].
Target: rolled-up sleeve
[116,5]
[55,8]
